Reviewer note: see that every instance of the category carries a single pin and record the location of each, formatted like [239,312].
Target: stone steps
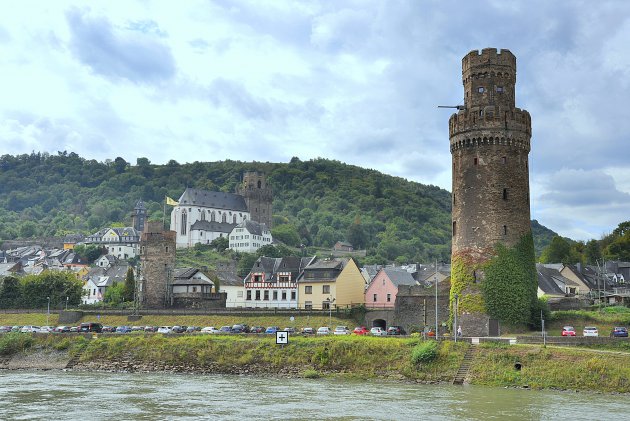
[461,374]
[74,360]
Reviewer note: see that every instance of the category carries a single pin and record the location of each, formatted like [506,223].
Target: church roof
[213,199]
[212,226]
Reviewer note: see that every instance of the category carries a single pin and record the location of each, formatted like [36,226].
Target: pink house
[381,293]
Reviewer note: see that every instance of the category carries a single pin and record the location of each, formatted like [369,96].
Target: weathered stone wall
[157,259]
[195,302]
[415,307]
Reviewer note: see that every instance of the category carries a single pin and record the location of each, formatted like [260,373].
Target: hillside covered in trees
[316,202]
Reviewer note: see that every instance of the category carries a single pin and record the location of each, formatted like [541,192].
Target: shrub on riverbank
[424,352]
[12,343]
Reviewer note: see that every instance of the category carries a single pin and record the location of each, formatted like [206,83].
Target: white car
[46,329]
[324,330]
[341,330]
[29,329]
[590,331]
[164,329]
[210,329]
[378,331]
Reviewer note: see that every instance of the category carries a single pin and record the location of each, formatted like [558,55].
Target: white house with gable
[249,236]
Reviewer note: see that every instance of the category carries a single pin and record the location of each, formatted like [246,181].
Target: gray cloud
[577,188]
[130,55]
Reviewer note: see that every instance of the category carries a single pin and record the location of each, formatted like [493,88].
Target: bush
[311,374]
[12,343]
[424,352]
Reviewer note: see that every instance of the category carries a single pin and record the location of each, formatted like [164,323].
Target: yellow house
[331,282]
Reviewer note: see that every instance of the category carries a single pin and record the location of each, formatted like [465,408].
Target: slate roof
[253,227]
[212,226]
[271,266]
[399,276]
[213,199]
[546,281]
[229,278]
[184,276]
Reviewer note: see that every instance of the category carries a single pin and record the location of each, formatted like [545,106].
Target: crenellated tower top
[489,78]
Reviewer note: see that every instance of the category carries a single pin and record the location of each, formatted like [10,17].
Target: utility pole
[436,302]
[455,329]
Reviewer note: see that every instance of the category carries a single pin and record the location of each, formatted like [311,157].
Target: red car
[568,331]
[360,330]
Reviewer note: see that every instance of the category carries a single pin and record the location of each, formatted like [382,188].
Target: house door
[493,328]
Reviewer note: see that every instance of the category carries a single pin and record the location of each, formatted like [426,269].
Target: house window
[239,294]
[258,295]
[375,298]
[194,289]
[275,295]
[308,289]
[284,295]
[325,305]
[389,298]
[505,194]
[325,289]
[266,295]
[308,305]
[293,295]
[249,295]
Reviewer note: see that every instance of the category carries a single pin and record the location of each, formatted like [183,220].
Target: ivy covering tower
[493,268]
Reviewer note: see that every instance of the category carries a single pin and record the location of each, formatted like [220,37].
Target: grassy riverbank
[551,368]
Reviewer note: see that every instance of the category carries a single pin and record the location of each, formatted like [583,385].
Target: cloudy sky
[355,81]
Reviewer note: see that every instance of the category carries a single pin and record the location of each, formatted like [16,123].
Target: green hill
[316,202]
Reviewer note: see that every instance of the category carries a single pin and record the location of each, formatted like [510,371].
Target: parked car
[137,328]
[271,330]
[178,329]
[257,329]
[74,329]
[308,331]
[150,328]
[324,330]
[61,329]
[377,331]
[590,331]
[360,330]
[91,327]
[395,330]
[341,330]
[225,329]
[5,329]
[46,329]
[210,329]
[123,329]
[191,329]
[29,329]
[619,332]
[164,329]
[568,331]
[242,327]
[289,329]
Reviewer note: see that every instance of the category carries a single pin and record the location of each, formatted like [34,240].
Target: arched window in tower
[224,217]
[504,229]
[259,184]
[504,160]
[505,194]
[454,228]
[184,221]
[475,161]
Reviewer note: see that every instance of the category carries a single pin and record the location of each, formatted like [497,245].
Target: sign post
[282,338]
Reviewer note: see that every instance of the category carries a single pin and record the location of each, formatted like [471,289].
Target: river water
[60,395]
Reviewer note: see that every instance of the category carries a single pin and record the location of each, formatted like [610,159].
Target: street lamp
[330,301]
[436,301]
[48,312]
[67,298]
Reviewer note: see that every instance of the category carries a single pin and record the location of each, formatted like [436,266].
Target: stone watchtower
[139,216]
[258,197]
[157,262]
[490,143]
